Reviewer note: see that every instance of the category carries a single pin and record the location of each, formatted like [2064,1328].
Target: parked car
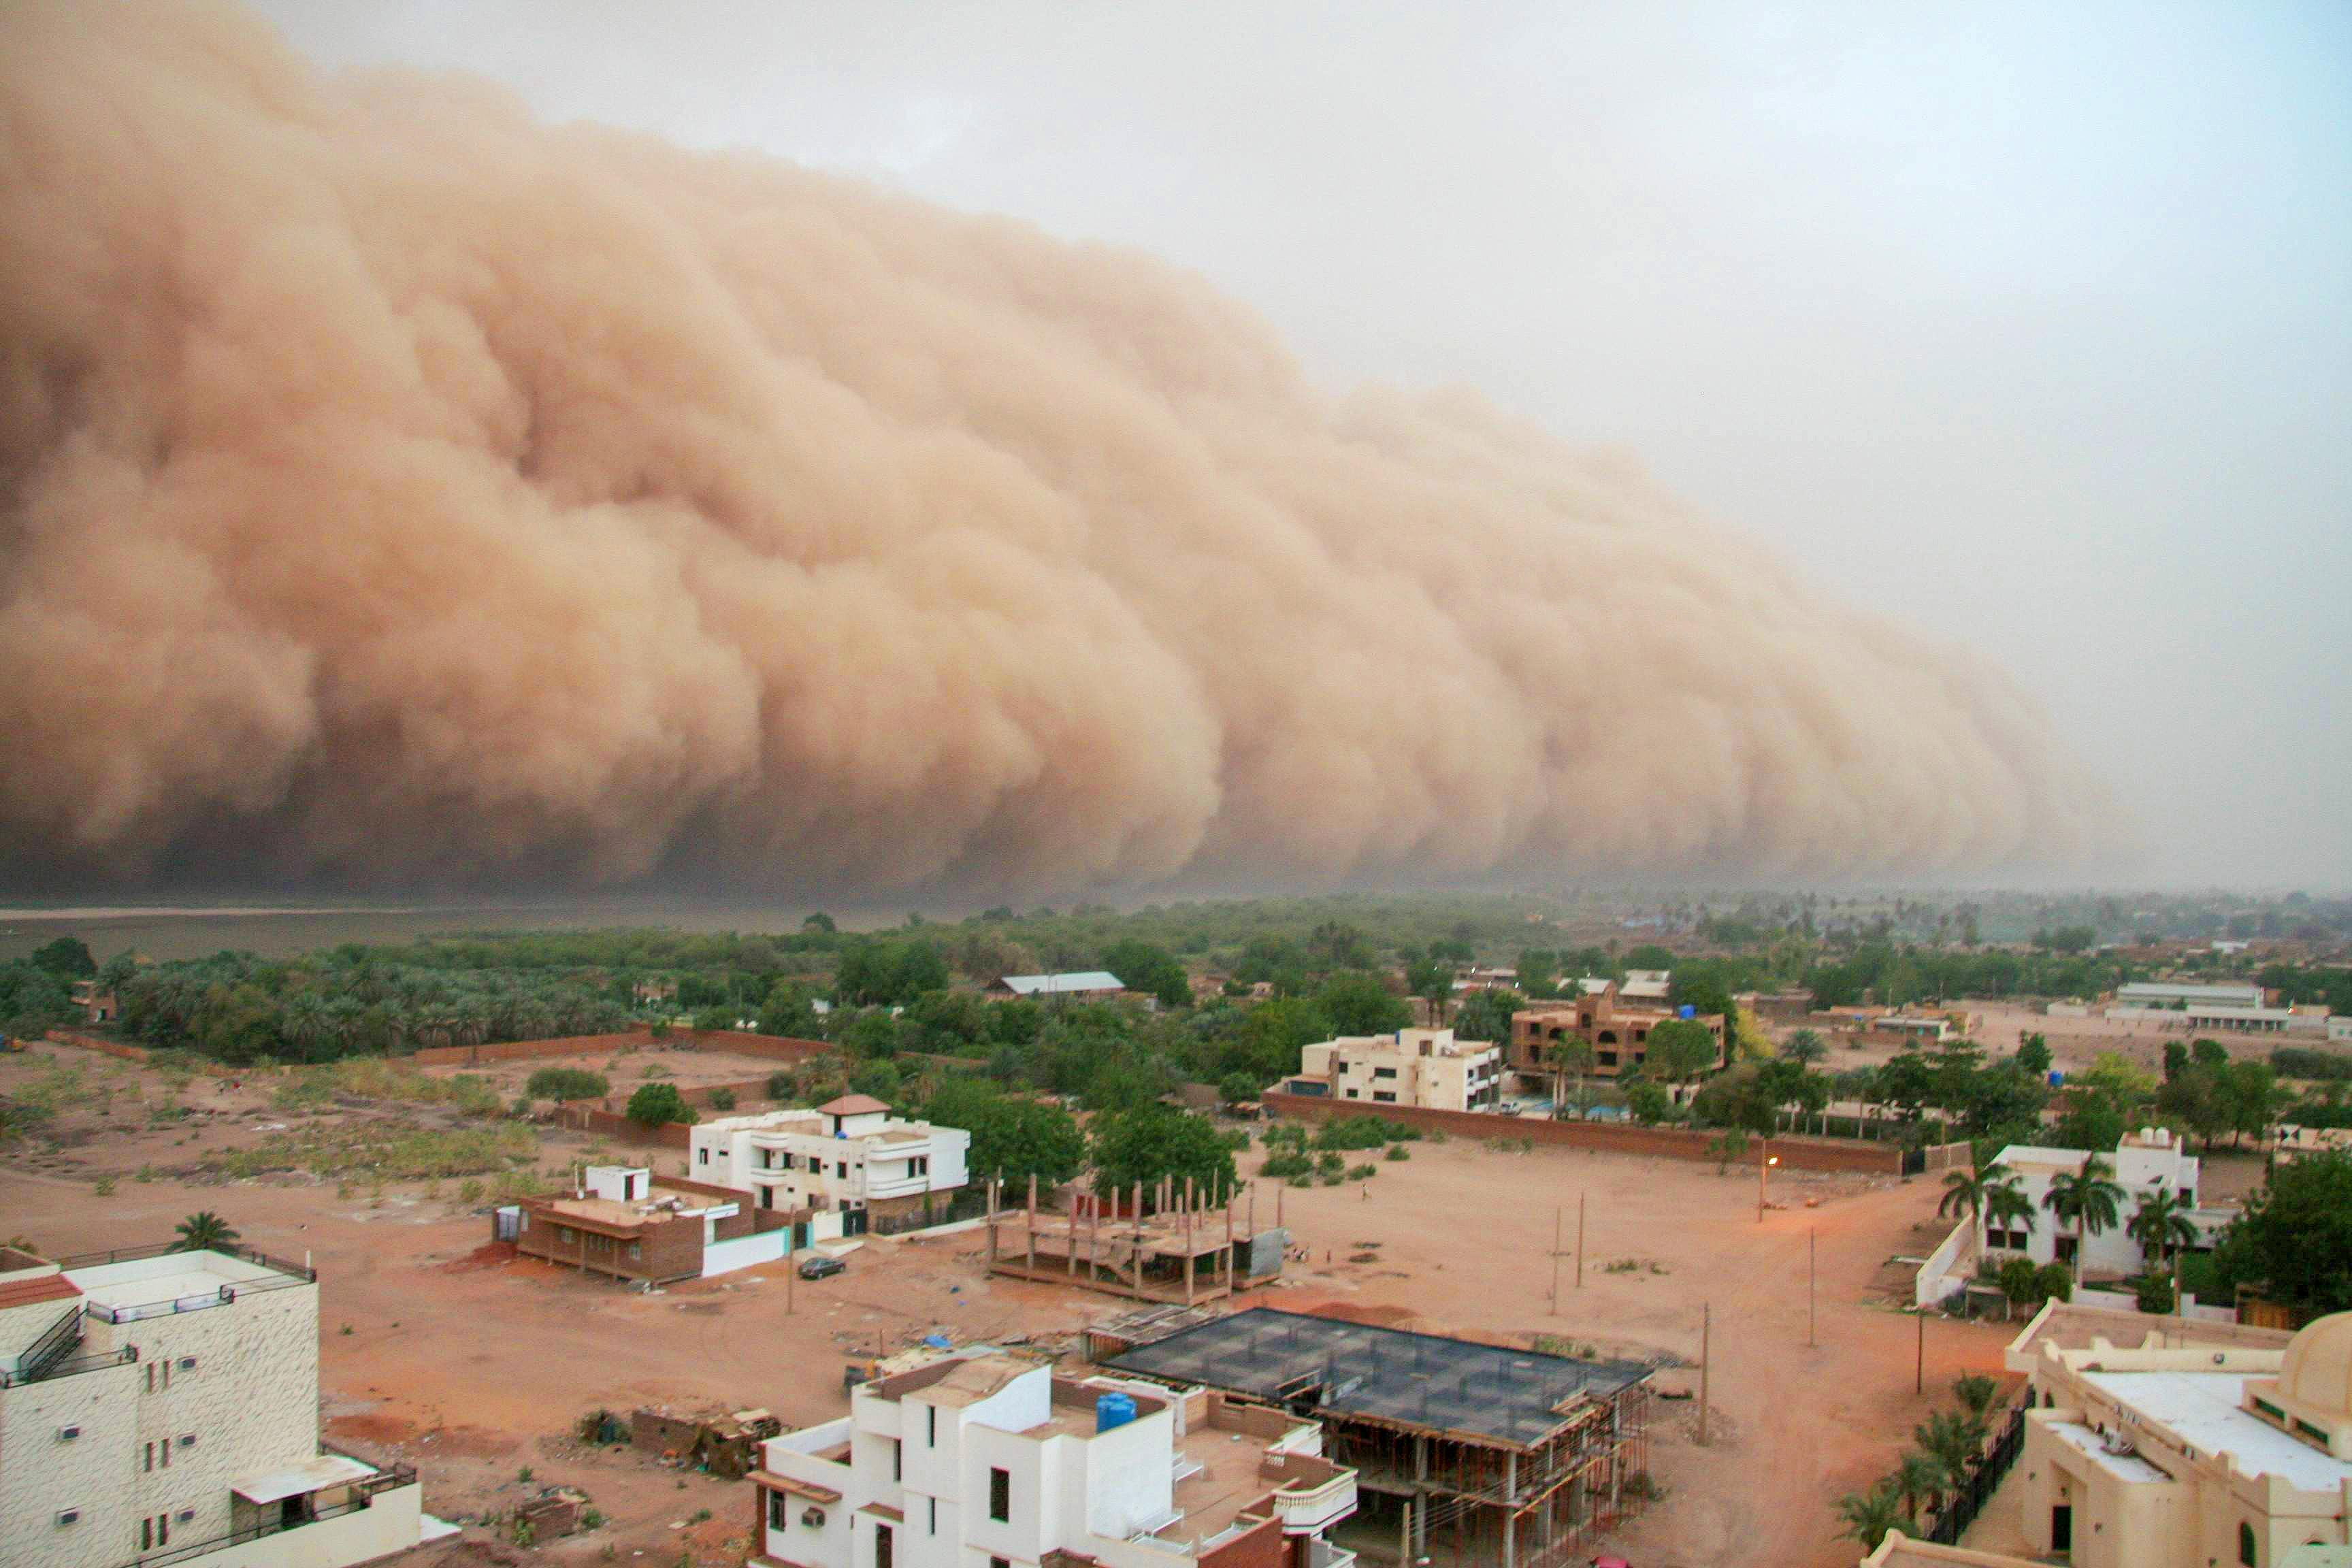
[817,1268]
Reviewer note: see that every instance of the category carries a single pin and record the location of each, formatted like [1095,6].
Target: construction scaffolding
[1177,1244]
[1495,1454]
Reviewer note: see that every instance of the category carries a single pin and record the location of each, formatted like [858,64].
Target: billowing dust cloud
[397,488]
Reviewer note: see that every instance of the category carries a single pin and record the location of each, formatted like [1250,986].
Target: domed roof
[2316,1371]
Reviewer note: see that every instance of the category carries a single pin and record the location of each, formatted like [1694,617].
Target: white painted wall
[743,1252]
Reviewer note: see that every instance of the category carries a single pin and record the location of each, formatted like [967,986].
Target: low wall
[1949,1266]
[1617,1137]
[603,1123]
[733,1042]
[91,1043]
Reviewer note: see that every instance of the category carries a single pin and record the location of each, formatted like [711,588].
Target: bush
[1363,1132]
[2300,1062]
[2153,1291]
[656,1103]
[566,1083]
[1330,1162]
[1283,1167]
[1398,1152]
[1362,1173]
[722,1100]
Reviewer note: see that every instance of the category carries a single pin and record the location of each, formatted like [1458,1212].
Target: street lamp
[1763,1166]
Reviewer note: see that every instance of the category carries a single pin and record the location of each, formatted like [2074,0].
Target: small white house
[848,1156]
[985,1459]
[2152,1160]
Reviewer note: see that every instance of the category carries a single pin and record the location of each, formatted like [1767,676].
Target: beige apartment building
[162,1406]
[2169,1443]
[1426,1067]
[1614,1021]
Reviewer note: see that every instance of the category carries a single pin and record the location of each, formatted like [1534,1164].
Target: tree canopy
[1145,1142]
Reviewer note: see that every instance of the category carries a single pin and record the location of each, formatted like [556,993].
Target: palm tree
[2086,1200]
[1870,1515]
[2007,1208]
[1805,1047]
[1952,1439]
[2160,1224]
[1966,1190]
[1918,1476]
[1976,1393]
[204,1231]
[1569,1056]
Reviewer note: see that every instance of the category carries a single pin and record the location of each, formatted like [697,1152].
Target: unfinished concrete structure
[1192,1246]
[1501,1456]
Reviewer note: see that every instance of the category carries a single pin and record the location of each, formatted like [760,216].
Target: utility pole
[1555,1216]
[1705,1321]
[1580,1241]
[1810,1313]
[1919,1371]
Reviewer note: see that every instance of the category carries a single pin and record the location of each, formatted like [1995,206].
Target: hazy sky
[2030,327]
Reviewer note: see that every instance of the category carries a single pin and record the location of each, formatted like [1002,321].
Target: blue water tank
[2056,1078]
[1113,1410]
[1687,1011]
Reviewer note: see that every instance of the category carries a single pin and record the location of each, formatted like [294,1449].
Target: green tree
[67,957]
[2086,1200]
[2007,1208]
[1013,1137]
[1918,1477]
[1805,1047]
[1431,979]
[1964,1191]
[2033,1055]
[1486,1016]
[1145,1142]
[204,1231]
[566,1083]
[1648,1103]
[655,1104]
[2160,1224]
[1153,970]
[1679,1050]
[2294,1238]
[1869,1517]
[1358,1004]
[1976,1393]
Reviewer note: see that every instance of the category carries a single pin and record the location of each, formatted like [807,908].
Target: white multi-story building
[849,1156]
[158,1405]
[987,1461]
[2168,996]
[2152,1160]
[1413,1067]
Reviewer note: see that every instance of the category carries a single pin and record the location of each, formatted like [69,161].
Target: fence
[733,1042]
[1669,1142]
[362,1494]
[1968,1498]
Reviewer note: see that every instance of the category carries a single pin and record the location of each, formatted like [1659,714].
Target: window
[151,1457]
[151,1377]
[68,1434]
[702,1156]
[2247,1554]
[935,1516]
[930,1425]
[1353,1094]
[997,1563]
[146,1535]
[841,1169]
[920,1165]
[898,1460]
[1000,1495]
[1384,1097]
[187,1364]
[637,1251]
[187,1439]
[1384,1072]
[777,1519]
[166,1447]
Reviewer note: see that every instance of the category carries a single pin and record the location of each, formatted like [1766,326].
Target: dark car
[819,1267]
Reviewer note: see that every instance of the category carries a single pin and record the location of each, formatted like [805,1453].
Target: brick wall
[1618,1138]
[611,1124]
[766,1048]
[90,1042]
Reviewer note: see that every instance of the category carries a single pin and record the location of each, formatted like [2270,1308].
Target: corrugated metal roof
[1061,984]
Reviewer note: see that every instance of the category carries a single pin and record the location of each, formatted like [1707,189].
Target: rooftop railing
[302,1272]
[361,1494]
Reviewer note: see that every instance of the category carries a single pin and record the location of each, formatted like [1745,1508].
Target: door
[853,1222]
[2061,1528]
[882,1546]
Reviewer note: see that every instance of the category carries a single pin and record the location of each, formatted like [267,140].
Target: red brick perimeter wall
[1616,1138]
[88,1043]
[733,1042]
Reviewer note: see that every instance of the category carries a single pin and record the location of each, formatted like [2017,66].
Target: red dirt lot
[440,1349]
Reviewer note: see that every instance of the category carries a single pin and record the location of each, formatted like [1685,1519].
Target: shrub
[566,1083]
[1286,1165]
[105,1187]
[1362,1132]
[722,1100]
[1398,1152]
[1362,1173]
[656,1103]
[470,1192]
[780,1084]
[1330,1163]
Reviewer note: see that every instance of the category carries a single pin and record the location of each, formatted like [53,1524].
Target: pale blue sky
[2030,326]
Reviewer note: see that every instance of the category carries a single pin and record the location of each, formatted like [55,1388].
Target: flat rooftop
[164,1277]
[2207,1411]
[1341,1369]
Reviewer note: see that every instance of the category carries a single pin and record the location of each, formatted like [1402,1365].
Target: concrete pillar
[1511,1510]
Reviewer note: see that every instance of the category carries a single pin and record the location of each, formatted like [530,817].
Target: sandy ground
[627,1070]
[442,1349]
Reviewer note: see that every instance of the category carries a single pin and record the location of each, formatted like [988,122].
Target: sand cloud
[393,487]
